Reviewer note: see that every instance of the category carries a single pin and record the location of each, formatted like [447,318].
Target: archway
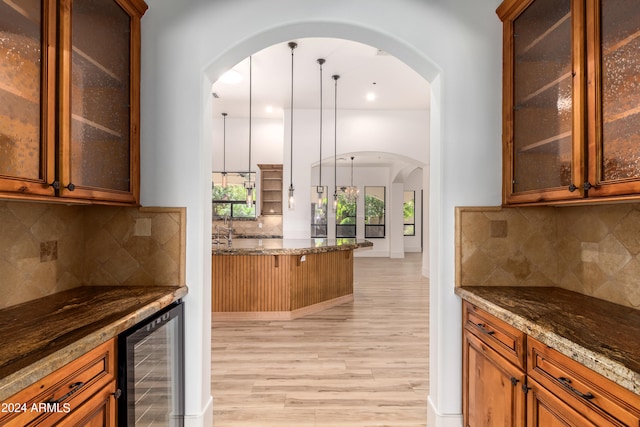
[419,63]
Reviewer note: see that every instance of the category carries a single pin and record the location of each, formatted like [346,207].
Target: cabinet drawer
[500,336]
[64,390]
[597,398]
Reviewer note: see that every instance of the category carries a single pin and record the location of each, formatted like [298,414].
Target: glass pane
[346,215]
[409,230]
[20,87]
[100,149]
[374,205]
[543,96]
[409,207]
[620,89]
[319,205]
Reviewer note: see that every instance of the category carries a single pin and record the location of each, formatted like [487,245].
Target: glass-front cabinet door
[614,114]
[543,91]
[27,96]
[98,114]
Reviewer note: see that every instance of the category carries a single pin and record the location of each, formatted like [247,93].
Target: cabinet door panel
[615,143]
[543,117]
[98,124]
[26,96]
[492,396]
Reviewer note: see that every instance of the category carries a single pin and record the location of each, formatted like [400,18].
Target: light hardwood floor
[359,364]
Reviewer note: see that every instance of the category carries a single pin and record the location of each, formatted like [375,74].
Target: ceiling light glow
[371,96]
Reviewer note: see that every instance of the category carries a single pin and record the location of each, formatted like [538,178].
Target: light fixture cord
[320,61]
[250,110]
[224,142]
[352,171]
[292,46]
[335,135]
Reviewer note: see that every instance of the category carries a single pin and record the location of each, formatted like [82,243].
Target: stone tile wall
[270,225]
[47,248]
[593,250]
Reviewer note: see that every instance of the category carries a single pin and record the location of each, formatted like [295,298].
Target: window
[345,216]
[318,212]
[374,212]
[408,212]
[232,200]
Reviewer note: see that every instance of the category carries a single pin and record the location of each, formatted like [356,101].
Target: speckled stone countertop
[601,335]
[286,246]
[43,335]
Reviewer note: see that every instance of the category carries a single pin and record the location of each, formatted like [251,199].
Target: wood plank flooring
[359,364]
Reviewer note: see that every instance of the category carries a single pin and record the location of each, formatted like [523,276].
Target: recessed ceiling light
[371,96]
[269,109]
[231,77]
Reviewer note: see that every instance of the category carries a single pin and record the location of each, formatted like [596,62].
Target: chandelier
[351,193]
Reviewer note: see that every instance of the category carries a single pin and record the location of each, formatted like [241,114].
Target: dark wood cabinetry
[80,393]
[570,125]
[270,189]
[69,100]
[504,386]
[493,371]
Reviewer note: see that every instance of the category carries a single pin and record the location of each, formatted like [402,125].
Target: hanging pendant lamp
[335,77]
[320,188]
[292,202]
[351,193]
[224,150]
[250,185]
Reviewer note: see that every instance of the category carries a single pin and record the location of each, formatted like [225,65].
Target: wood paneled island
[281,279]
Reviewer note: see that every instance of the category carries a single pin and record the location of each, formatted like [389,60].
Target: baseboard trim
[204,418]
[435,419]
[280,315]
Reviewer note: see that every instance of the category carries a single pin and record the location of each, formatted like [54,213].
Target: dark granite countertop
[601,335]
[286,246]
[43,335]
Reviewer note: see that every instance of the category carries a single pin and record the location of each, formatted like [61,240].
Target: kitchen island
[281,279]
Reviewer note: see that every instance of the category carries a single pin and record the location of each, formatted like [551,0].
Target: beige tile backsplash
[46,248]
[594,250]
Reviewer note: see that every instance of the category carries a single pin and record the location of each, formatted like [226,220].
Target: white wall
[400,133]
[266,143]
[454,44]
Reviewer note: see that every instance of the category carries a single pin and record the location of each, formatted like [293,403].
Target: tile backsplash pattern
[270,225]
[47,248]
[593,250]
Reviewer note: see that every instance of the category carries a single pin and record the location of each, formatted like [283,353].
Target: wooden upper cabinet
[613,47]
[70,100]
[27,96]
[570,100]
[99,99]
[543,103]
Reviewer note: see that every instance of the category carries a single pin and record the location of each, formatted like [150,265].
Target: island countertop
[286,246]
[603,336]
[43,335]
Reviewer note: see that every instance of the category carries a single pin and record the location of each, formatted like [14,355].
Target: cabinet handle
[484,330]
[55,185]
[71,187]
[572,188]
[74,388]
[566,382]
[587,185]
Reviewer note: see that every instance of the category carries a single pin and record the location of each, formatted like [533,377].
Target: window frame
[369,229]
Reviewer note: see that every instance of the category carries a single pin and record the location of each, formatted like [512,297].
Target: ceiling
[362,69]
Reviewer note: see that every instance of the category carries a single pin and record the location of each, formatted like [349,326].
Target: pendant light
[292,202]
[320,188]
[250,185]
[351,192]
[335,77]
[224,150]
